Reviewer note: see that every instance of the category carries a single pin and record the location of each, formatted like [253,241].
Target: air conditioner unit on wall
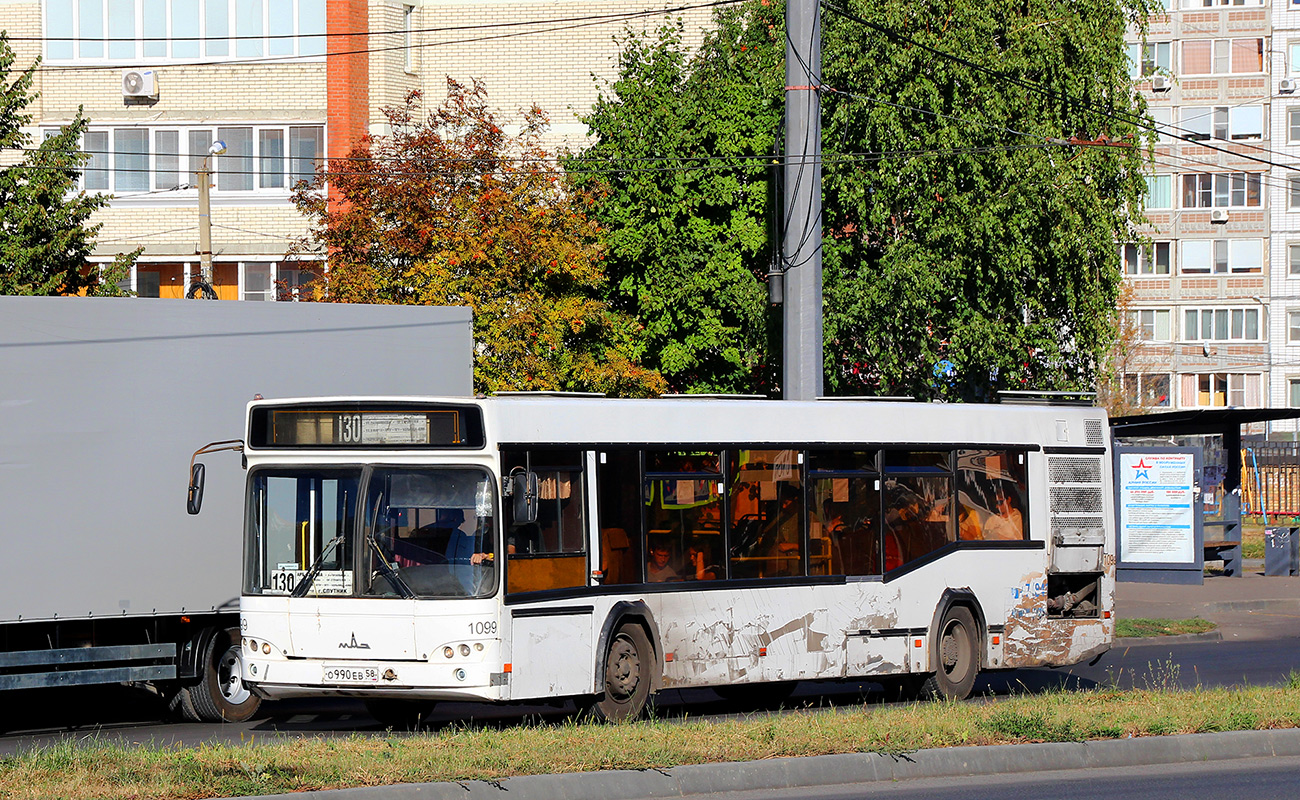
[1218,216]
[1286,86]
[139,83]
[1161,83]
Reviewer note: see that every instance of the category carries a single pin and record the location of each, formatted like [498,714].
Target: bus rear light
[762,651]
[917,643]
[668,657]
[506,668]
[1105,615]
[997,640]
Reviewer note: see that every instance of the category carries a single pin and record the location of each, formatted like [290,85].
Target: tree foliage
[966,248]
[450,210]
[45,238]
[683,147]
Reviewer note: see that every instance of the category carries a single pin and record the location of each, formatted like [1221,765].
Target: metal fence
[1270,479]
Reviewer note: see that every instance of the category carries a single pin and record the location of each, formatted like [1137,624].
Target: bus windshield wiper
[301,589]
[386,569]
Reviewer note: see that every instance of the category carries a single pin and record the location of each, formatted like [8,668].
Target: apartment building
[1284,280]
[1201,289]
[283,84]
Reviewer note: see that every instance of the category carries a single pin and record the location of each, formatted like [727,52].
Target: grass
[95,767]
[1161,627]
[1252,538]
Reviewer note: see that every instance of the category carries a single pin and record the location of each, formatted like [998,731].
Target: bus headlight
[460,674]
[464,650]
[448,651]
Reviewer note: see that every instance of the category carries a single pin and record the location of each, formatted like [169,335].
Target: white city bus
[411,550]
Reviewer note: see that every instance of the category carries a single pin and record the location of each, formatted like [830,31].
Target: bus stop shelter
[1219,534]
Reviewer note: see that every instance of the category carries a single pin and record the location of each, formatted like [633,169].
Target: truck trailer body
[104,577]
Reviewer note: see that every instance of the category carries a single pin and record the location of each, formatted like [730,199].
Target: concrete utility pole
[802,213]
[205,223]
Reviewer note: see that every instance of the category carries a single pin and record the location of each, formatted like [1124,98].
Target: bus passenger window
[844,514]
[991,489]
[683,505]
[550,553]
[618,477]
[918,505]
[766,501]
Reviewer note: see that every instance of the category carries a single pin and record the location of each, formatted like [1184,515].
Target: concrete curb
[815,771]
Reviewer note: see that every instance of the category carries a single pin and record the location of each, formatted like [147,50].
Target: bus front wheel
[629,659]
[956,659]
[220,695]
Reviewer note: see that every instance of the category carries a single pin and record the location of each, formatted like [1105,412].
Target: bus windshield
[426,532]
[429,533]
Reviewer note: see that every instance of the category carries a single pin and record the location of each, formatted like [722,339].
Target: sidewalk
[1251,607]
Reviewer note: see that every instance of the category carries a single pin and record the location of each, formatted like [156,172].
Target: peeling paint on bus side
[1032,638]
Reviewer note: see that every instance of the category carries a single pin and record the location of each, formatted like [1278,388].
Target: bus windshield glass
[429,532]
[300,519]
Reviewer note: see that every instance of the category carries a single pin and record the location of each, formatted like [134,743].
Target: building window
[136,160]
[1293,260]
[1151,324]
[1146,259]
[1213,3]
[1150,59]
[1221,324]
[1222,190]
[162,30]
[1293,391]
[1219,389]
[1223,56]
[1160,191]
[1227,123]
[1221,256]
[1147,391]
[1293,326]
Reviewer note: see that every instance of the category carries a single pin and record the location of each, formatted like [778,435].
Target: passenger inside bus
[658,567]
[700,565]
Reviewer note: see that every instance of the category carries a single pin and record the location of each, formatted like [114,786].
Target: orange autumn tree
[450,210]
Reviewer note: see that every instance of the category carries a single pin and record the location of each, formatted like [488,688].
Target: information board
[1159,518]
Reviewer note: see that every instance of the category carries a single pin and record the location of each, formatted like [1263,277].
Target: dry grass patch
[96,768]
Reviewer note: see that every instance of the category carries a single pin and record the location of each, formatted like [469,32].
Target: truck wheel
[399,715]
[957,659]
[220,695]
[628,661]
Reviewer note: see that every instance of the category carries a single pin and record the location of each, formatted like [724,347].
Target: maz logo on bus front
[354,644]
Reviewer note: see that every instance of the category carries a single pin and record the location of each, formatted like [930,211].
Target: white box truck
[104,577]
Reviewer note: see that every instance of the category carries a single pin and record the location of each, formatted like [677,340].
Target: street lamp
[203,288]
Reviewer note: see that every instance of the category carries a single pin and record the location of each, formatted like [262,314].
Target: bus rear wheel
[957,659]
[399,715]
[628,661]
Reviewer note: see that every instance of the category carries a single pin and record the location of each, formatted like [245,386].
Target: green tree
[450,210]
[683,147]
[966,249]
[45,238]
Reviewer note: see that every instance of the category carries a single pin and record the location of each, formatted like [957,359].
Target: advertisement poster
[1157,515]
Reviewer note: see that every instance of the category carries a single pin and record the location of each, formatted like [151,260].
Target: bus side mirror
[524,493]
[194,501]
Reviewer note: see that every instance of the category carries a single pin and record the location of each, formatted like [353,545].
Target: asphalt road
[1242,779]
[132,715]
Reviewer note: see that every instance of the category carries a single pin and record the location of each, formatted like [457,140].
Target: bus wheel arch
[957,635]
[630,635]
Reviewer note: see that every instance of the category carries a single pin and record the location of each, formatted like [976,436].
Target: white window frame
[1139,259]
[1225,318]
[1223,189]
[1293,326]
[1227,43]
[1225,123]
[1154,190]
[1137,384]
[187,161]
[1221,257]
[1152,324]
[303,39]
[1233,385]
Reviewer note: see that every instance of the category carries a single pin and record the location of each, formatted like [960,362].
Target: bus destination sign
[354,425]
